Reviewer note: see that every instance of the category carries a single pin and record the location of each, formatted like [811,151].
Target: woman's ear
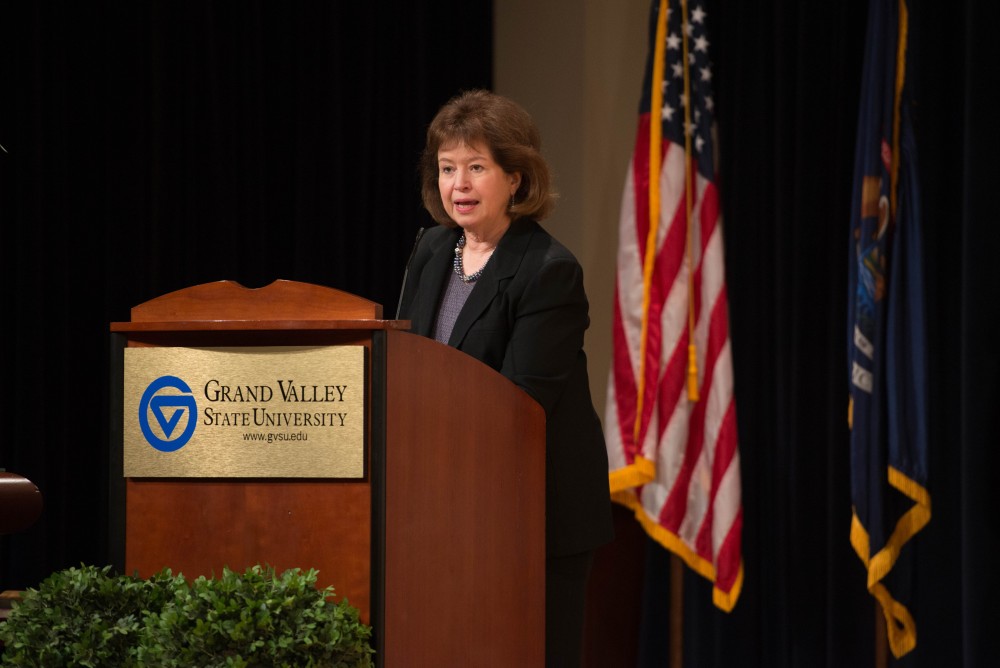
[515,182]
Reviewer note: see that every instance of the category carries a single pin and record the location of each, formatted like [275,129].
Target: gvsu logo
[174,413]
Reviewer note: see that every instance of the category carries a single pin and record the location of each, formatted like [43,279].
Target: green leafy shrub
[256,619]
[88,617]
[81,617]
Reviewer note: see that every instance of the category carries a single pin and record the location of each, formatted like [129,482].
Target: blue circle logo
[170,412]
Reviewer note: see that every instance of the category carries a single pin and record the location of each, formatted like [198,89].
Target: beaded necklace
[460,268]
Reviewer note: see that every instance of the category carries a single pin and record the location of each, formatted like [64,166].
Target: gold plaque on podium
[272,412]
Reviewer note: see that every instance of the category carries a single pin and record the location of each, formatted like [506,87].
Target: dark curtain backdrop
[152,146]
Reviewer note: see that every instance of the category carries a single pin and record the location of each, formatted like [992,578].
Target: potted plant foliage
[88,616]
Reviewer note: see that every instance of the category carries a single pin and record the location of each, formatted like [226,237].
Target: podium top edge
[280,301]
[256,325]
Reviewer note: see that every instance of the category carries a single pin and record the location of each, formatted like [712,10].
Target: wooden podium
[440,544]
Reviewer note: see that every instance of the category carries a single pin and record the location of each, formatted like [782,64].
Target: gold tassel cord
[692,376]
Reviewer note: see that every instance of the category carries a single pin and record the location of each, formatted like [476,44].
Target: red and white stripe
[678,466]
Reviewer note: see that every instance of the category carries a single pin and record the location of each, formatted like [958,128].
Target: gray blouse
[456,291]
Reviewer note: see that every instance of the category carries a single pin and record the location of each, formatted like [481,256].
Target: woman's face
[475,191]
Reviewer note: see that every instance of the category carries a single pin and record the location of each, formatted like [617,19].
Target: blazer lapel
[502,266]
[432,277]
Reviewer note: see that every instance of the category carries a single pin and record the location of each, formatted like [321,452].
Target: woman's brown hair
[510,135]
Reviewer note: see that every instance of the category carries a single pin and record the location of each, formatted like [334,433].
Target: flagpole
[677,612]
[881,638]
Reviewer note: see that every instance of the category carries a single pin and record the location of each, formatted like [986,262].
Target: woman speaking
[491,282]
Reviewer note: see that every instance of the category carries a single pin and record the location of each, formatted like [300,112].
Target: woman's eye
[447,170]
[475,168]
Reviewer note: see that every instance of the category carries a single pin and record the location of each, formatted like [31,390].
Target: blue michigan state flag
[886,323]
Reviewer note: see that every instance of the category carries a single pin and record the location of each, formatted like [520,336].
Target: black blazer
[526,318]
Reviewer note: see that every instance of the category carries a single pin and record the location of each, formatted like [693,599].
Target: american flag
[670,421]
